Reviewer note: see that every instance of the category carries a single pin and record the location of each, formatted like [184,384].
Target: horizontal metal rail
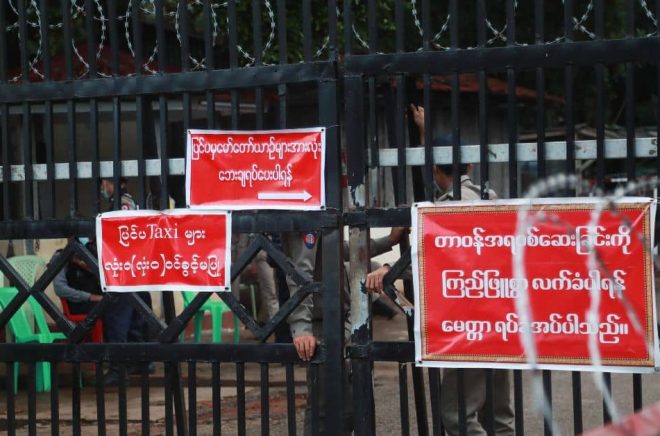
[195,81]
[499,58]
[153,352]
[526,152]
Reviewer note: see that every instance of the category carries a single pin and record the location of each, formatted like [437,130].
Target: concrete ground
[386,382]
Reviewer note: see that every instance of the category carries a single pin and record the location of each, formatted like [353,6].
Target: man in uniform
[474,380]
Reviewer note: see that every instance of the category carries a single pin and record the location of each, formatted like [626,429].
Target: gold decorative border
[493,209]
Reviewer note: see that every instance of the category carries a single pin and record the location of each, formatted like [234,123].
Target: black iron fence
[92,90]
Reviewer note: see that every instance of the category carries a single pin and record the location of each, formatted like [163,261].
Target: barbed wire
[78,11]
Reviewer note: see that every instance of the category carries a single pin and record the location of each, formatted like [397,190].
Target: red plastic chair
[95,334]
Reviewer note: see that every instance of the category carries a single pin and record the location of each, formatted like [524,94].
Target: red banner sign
[177,250]
[470,310]
[281,169]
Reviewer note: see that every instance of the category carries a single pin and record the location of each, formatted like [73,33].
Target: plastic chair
[217,309]
[28,267]
[24,332]
[95,334]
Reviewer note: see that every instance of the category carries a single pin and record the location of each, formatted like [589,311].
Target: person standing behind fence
[126,323]
[474,380]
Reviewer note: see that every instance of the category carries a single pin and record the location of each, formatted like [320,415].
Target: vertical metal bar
[637,392]
[49,187]
[6,161]
[162,106]
[657,100]
[630,96]
[428,110]
[91,38]
[192,398]
[240,397]
[184,31]
[313,391]
[372,25]
[348,30]
[100,399]
[26,133]
[518,402]
[54,400]
[512,113]
[265,401]
[436,405]
[363,400]
[174,380]
[23,37]
[607,378]
[32,399]
[455,104]
[400,128]
[599,18]
[169,405]
[569,91]
[116,106]
[333,307]
[256,35]
[282,53]
[140,109]
[539,38]
[307,30]
[372,126]
[215,388]
[403,399]
[11,395]
[547,392]
[233,60]
[460,397]
[577,401]
[144,392]
[4,132]
[122,404]
[75,400]
[290,400]
[209,42]
[67,34]
[483,104]
[489,406]
[332,30]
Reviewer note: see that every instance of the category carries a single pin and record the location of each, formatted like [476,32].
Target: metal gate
[535,60]
[352,67]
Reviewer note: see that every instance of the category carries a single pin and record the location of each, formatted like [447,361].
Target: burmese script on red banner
[281,169]
[466,288]
[173,250]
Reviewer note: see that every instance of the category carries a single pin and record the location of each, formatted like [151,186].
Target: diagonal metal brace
[284,262]
[178,324]
[146,312]
[287,308]
[395,272]
[240,311]
[246,256]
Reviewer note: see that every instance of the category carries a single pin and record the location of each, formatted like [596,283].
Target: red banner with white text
[279,169]
[471,310]
[176,250]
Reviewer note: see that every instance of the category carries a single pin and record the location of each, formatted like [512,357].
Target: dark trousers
[124,323]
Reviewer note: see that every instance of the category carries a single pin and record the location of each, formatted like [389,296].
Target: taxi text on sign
[463,257]
[175,250]
[281,169]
